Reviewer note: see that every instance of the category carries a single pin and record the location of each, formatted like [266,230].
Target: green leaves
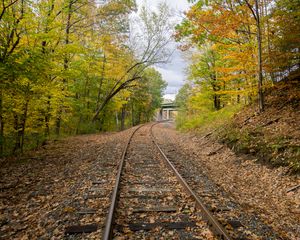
[147,97]
[64,63]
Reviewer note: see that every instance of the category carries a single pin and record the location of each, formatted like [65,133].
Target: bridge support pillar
[167,111]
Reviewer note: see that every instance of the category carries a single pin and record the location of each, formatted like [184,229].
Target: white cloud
[170,96]
[178,5]
[174,72]
[173,78]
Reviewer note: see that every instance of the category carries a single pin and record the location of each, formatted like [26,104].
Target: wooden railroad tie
[154,209]
[87,211]
[76,229]
[150,190]
[170,225]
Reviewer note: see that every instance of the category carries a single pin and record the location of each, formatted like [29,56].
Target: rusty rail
[216,227]
[108,232]
[218,230]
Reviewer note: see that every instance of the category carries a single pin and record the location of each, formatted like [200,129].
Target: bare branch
[250,7]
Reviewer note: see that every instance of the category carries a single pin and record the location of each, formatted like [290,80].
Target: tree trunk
[260,76]
[58,122]
[1,125]
[23,124]
[16,128]
[138,119]
[101,81]
[270,61]
[19,126]
[78,125]
[102,121]
[132,114]
[47,118]
[66,66]
[217,102]
[123,115]
[216,88]
[117,120]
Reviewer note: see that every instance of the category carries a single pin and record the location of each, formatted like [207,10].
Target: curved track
[152,201]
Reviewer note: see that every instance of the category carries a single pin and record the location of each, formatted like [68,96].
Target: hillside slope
[274,135]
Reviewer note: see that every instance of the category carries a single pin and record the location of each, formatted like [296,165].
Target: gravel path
[251,199]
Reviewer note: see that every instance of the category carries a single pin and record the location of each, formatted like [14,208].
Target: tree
[245,34]
[183,95]
[65,63]
[256,16]
[203,71]
[149,45]
[12,14]
[283,33]
[147,97]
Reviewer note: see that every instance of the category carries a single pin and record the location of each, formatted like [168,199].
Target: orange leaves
[220,21]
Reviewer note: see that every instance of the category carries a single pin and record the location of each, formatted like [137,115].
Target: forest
[243,77]
[76,67]
[81,153]
[238,49]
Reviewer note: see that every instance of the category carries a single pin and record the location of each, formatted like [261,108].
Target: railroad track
[152,201]
[239,222]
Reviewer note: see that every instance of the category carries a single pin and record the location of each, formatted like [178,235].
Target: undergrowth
[207,120]
[272,137]
[276,150]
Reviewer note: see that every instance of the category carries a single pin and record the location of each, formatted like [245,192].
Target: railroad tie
[87,211]
[170,225]
[76,229]
[154,209]
[150,190]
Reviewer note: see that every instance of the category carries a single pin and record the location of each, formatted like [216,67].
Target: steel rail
[212,221]
[108,232]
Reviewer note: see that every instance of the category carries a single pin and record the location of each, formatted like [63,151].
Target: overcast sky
[172,72]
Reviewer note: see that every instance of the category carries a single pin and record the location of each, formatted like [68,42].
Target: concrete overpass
[168,111]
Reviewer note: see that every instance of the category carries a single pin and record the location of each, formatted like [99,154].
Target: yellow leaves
[69,209]
[231,92]
[152,219]
[207,234]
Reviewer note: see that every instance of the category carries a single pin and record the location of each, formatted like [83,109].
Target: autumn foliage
[68,67]
[222,40]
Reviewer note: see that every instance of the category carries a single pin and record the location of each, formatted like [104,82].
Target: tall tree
[65,63]
[149,45]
